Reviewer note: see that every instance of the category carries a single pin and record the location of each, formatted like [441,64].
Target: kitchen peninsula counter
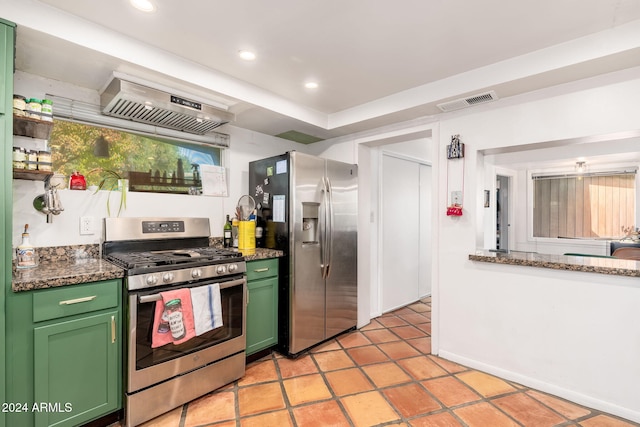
[610,266]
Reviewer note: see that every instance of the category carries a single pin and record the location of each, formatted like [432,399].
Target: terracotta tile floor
[383,374]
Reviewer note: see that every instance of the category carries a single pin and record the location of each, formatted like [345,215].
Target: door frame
[380,228]
[511,198]
[365,154]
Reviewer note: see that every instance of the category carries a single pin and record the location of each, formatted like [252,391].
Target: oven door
[147,366]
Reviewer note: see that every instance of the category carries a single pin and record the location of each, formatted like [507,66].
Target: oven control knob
[152,280]
[167,277]
[196,273]
[232,268]
[221,269]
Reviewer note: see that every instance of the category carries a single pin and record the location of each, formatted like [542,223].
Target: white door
[403,233]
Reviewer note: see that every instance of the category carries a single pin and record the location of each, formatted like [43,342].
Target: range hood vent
[459,104]
[143,104]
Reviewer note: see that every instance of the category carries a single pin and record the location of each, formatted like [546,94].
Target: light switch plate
[456,197]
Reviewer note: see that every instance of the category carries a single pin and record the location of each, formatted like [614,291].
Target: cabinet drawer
[260,269]
[75,299]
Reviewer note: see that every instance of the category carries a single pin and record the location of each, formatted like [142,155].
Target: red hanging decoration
[455,151]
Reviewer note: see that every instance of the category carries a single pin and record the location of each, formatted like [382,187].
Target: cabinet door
[77,373]
[262,314]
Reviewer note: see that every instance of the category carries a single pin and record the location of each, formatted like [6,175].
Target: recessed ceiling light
[143,5]
[247,55]
[311,85]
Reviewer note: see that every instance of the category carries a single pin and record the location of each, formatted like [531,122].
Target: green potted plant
[111,180]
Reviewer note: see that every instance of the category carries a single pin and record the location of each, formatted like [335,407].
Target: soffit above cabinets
[375,65]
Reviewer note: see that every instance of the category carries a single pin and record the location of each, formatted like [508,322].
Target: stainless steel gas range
[165,367]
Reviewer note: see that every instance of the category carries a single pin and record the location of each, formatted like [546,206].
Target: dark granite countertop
[263,253]
[72,265]
[611,266]
[50,274]
[260,253]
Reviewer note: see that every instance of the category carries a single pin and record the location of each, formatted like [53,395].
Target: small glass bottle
[26,256]
[228,239]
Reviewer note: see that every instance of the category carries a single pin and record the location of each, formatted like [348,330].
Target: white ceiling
[376,61]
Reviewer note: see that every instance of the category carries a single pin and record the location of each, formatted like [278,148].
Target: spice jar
[44,161]
[19,105]
[19,158]
[34,108]
[47,110]
[31,160]
[176,324]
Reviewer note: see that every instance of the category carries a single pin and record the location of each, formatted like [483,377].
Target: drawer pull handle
[113,329]
[78,300]
[261,270]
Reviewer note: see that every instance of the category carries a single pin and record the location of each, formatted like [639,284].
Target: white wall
[64,230]
[563,332]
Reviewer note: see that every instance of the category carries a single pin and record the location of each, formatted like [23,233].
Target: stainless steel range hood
[143,104]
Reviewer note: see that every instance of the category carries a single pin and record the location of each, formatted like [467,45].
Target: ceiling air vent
[138,103]
[458,104]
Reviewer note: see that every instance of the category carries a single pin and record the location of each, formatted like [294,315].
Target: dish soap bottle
[26,253]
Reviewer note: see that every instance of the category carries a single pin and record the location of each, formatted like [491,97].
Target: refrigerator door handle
[323,234]
[329,248]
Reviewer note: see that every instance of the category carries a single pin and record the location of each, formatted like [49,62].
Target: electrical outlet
[86,225]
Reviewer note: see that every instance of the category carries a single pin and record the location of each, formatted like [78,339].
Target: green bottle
[227,233]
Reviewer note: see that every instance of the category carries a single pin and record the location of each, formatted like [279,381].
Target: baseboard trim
[573,396]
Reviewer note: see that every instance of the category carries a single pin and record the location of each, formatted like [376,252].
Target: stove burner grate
[183,257]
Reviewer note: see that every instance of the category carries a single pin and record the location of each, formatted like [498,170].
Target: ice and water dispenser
[310,222]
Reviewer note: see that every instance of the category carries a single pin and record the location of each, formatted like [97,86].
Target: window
[152,164]
[598,205]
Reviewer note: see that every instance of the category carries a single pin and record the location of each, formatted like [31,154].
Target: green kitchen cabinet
[77,348]
[7,43]
[262,307]
[66,359]
[76,369]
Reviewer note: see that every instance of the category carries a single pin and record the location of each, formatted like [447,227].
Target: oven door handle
[157,297]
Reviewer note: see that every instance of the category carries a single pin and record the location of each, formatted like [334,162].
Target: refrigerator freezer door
[307,235]
[342,279]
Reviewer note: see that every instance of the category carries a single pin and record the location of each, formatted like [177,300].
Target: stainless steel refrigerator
[308,207]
